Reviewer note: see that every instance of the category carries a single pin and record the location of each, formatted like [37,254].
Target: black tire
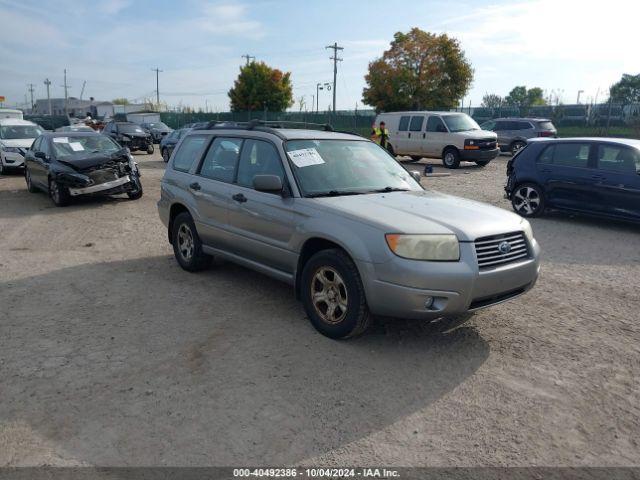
[27,179]
[59,194]
[516,146]
[482,163]
[165,155]
[415,158]
[527,200]
[345,294]
[136,193]
[150,149]
[190,257]
[451,158]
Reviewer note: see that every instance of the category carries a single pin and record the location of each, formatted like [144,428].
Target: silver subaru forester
[334,215]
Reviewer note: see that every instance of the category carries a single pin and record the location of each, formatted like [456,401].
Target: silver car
[513,133]
[335,216]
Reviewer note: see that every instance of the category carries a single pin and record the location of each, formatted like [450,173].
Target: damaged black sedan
[67,165]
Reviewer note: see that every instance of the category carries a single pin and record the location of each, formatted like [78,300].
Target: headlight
[425,247]
[528,231]
[10,149]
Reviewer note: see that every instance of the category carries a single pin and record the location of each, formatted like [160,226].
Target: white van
[451,136]
[16,137]
[10,113]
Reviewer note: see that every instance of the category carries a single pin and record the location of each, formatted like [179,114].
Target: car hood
[479,134]
[91,161]
[18,142]
[425,212]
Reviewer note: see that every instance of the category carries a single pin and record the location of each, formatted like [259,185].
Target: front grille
[487,144]
[501,249]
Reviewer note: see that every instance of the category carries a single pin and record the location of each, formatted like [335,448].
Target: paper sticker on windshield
[305,157]
[60,139]
[76,146]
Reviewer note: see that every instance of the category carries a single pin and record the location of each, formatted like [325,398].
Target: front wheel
[516,147]
[187,246]
[150,149]
[451,158]
[333,295]
[165,155]
[27,178]
[482,163]
[528,200]
[59,194]
[136,192]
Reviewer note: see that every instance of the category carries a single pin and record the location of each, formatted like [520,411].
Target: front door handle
[409,136]
[239,197]
[195,186]
[424,135]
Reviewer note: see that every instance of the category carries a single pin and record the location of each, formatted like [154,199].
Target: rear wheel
[451,158]
[528,200]
[333,295]
[165,155]
[59,194]
[516,147]
[415,158]
[187,246]
[482,163]
[27,178]
[150,149]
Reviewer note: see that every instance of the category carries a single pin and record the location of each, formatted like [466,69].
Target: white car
[16,137]
[451,136]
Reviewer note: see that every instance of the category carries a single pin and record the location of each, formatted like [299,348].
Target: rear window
[404,124]
[546,126]
[566,155]
[416,123]
[190,150]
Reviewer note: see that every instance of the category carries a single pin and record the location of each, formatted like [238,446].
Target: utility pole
[157,70]
[335,59]
[84,84]
[31,92]
[47,82]
[249,58]
[66,94]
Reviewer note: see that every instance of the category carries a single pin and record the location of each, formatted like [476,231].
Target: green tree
[491,100]
[259,86]
[120,101]
[626,90]
[521,97]
[420,70]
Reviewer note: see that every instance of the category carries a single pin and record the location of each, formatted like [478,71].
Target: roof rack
[270,126]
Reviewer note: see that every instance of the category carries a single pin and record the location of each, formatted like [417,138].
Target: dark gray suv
[337,217]
[513,133]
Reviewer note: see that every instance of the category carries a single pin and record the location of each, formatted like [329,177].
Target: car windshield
[158,125]
[345,167]
[460,122]
[19,132]
[81,147]
[130,128]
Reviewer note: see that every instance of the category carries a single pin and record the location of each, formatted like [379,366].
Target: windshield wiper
[389,189]
[334,193]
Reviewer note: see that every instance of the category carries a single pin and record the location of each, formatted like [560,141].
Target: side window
[547,155]
[35,146]
[490,125]
[416,123]
[522,126]
[618,159]
[222,159]
[502,126]
[404,124]
[571,155]
[190,150]
[44,147]
[258,158]
[435,124]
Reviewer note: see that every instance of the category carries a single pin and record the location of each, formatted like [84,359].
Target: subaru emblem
[504,247]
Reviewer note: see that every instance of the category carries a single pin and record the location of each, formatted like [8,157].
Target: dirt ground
[110,354]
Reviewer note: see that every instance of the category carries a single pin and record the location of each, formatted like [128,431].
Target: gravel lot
[110,354]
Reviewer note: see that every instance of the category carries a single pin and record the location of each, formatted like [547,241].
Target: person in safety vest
[380,135]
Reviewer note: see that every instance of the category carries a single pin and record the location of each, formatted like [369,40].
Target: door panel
[415,135]
[402,135]
[435,137]
[619,185]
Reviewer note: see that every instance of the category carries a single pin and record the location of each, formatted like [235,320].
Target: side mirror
[416,176]
[267,183]
[40,155]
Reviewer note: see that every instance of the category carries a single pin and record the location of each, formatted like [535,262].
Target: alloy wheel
[54,192]
[526,200]
[185,242]
[27,177]
[329,295]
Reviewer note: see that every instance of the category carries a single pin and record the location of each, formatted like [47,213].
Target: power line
[157,70]
[335,59]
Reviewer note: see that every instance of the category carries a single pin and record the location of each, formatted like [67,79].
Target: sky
[562,46]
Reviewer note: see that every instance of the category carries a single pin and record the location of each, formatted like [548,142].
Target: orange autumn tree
[419,71]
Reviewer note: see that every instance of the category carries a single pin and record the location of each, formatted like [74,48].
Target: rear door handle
[409,136]
[424,135]
[239,197]
[195,186]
